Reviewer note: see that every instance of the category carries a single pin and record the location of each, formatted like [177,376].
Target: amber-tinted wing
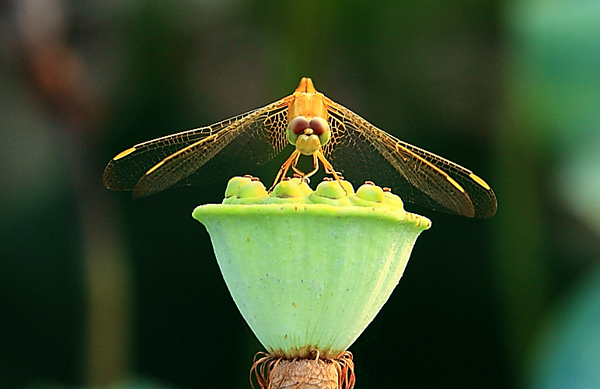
[363,152]
[203,155]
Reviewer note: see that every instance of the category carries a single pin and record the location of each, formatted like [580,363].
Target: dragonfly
[314,126]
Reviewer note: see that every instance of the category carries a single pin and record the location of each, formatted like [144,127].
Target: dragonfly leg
[290,162]
[328,167]
[312,172]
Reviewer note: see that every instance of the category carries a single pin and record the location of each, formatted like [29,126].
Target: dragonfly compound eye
[318,125]
[298,125]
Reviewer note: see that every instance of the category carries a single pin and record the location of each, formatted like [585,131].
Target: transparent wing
[364,152]
[203,155]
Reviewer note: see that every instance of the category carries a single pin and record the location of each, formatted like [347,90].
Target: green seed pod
[303,185]
[233,186]
[250,192]
[369,195]
[310,276]
[330,192]
[289,191]
[392,200]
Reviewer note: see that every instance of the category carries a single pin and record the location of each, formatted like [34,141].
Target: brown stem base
[279,373]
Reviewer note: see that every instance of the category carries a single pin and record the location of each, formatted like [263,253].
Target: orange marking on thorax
[307,102]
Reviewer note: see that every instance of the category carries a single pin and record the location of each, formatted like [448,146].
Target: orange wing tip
[124,153]
[306,85]
[480,181]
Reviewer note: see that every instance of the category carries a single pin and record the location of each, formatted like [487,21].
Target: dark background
[98,289]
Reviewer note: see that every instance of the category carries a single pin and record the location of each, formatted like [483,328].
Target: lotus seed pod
[392,200]
[331,192]
[249,192]
[233,186]
[303,185]
[307,275]
[289,191]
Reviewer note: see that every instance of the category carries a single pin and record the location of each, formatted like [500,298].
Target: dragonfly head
[308,134]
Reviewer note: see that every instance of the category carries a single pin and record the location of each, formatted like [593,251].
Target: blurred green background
[99,290]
